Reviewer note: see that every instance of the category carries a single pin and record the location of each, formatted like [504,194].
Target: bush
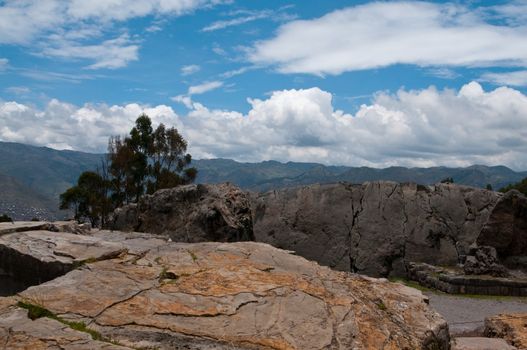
[5,218]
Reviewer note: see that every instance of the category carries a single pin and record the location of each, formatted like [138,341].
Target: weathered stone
[192,213]
[506,229]
[480,343]
[511,327]
[17,331]
[38,256]
[230,295]
[483,260]
[376,227]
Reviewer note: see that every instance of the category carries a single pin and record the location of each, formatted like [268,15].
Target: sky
[358,83]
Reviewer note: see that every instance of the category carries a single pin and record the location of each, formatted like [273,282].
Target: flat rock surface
[227,295]
[480,343]
[466,315]
[18,331]
[63,247]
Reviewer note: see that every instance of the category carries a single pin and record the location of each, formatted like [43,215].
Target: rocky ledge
[136,291]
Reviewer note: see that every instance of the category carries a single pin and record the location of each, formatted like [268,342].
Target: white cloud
[380,34]
[410,128]
[517,78]
[205,87]
[4,62]
[66,126]
[69,29]
[190,69]
[18,90]
[113,53]
[236,21]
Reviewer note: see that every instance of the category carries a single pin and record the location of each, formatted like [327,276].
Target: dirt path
[465,315]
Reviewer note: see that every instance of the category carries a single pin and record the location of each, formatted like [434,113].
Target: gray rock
[374,228]
[191,213]
[506,229]
[483,260]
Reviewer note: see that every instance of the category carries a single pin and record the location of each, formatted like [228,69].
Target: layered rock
[191,213]
[376,227]
[212,296]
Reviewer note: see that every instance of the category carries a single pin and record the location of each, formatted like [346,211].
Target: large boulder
[506,229]
[374,228]
[191,213]
[242,295]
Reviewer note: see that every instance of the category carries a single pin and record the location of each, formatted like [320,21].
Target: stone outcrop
[245,295]
[191,213]
[511,327]
[375,228]
[483,260]
[506,229]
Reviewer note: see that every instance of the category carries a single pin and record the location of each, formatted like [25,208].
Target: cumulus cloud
[516,78]
[410,128]
[70,29]
[380,34]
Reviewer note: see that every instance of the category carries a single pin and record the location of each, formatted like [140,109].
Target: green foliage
[145,161]
[520,186]
[148,160]
[89,198]
[5,218]
[489,187]
[447,180]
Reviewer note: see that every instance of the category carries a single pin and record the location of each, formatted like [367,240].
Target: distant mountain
[44,170]
[34,177]
[269,175]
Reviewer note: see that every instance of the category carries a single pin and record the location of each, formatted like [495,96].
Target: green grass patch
[381,305]
[36,311]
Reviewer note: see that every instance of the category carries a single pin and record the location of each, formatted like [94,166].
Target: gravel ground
[466,315]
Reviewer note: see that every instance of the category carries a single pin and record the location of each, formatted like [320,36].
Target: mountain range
[32,178]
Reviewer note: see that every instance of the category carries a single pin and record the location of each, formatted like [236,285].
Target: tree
[447,180]
[145,161]
[89,198]
[148,160]
[489,187]
[520,186]
[5,218]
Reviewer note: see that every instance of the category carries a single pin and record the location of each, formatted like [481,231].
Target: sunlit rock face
[141,291]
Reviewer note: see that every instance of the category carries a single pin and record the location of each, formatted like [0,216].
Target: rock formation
[506,229]
[511,327]
[134,290]
[376,227]
[191,213]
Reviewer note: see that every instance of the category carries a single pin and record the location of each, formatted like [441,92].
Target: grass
[381,305]
[36,311]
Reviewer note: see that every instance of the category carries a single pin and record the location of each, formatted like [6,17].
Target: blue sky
[339,82]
